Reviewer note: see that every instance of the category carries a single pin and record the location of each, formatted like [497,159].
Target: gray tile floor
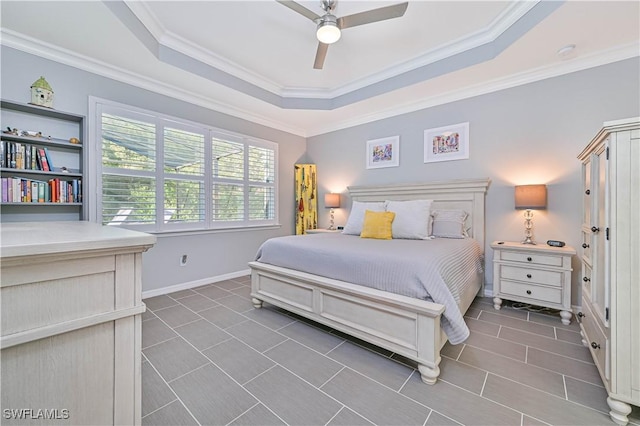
[209,358]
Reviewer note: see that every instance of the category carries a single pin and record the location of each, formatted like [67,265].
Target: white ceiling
[253,59]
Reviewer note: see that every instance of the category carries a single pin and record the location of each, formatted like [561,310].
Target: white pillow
[449,223]
[356,216]
[412,218]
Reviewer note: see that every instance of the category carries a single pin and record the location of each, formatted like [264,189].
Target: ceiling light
[566,50]
[328,31]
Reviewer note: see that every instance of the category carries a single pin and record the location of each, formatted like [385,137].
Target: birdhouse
[41,93]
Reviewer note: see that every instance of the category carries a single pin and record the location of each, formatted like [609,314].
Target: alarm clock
[555,243]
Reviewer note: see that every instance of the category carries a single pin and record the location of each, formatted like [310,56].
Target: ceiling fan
[329,27]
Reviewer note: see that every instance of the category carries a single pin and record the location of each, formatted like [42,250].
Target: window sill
[186,232]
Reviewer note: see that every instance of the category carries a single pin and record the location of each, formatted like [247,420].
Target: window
[158,173]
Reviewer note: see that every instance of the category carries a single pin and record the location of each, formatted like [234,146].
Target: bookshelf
[42,171]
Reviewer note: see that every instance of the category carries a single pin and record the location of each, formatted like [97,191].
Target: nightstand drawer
[531,275]
[532,292]
[534,259]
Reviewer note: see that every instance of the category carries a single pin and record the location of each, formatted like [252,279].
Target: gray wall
[210,255]
[527,134]
[524,135]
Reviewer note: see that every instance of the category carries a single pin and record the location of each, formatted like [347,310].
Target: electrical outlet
[183,260]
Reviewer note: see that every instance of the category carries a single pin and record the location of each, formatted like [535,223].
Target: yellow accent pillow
[377,225]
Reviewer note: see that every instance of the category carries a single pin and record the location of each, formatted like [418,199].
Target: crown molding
[48,51]
[489,33]
[55,53]
[483,45]
[180,44]
[619,53]
[146,18]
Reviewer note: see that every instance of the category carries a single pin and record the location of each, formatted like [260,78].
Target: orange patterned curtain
[306,203]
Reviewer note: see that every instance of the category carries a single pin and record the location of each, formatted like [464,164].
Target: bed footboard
[409,327]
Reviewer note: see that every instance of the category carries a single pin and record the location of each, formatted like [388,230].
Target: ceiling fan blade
[375,15]
[300,9]
[321,53]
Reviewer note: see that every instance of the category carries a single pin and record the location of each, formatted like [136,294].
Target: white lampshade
[332,200]
[328,32]
[531,197]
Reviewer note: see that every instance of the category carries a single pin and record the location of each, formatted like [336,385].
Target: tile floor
[210,358]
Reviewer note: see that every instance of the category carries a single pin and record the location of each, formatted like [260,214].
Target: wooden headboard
[465,194]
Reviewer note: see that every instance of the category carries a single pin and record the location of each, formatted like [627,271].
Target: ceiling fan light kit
[330,28]
[328,31]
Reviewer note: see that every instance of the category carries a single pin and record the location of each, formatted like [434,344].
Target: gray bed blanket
[436,269]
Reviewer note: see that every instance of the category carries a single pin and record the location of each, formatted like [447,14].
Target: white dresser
[536,274]
[71,323]
[610,315]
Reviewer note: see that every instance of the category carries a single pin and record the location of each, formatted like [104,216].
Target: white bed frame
[407,326]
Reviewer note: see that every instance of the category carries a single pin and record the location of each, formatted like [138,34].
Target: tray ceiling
[254,59]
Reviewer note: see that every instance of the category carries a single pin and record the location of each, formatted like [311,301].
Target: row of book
[16,155]
[21,190]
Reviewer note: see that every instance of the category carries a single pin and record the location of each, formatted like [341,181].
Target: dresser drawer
[532,292]
[532,259]
[531,275]
[594,336]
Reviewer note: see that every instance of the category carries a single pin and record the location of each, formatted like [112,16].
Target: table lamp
[331,201]
[530,197]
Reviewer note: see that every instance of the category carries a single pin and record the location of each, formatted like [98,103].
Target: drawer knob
[588,191]
[585,245]
[528,275]
[528,291]
[529,259]
[586,279]
[580,315]
[595,229]
[594,345]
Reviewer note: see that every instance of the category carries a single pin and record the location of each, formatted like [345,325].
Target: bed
[408,326]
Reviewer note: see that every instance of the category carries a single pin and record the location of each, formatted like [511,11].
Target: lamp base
[528,225]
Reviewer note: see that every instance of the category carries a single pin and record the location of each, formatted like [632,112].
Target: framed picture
[383,152]
[446,143]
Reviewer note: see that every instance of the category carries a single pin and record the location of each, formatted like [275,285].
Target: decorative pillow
[356,216]
[412,218]
[449,223]
[377,225]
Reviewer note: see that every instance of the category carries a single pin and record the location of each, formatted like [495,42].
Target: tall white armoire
[610,315]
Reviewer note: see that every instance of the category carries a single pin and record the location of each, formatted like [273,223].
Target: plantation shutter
[159,173]
[184,176]
[128,170]
[261,164]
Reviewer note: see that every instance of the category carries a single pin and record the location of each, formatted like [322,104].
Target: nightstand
[321,231]
[536,274]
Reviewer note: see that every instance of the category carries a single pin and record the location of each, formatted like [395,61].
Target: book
[49,163]
[3,154]
[9,190]
[44,164]
[27,157]
[5,190]
[34,191]
[12,155]
[19,156]
[34,158]
[15,186]
[41,192]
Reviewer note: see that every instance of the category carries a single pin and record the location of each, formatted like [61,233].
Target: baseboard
[192,284]
[488,290]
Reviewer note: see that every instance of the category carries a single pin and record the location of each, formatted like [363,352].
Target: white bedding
[436,269]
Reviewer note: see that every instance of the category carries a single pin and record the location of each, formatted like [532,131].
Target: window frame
[98,106]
